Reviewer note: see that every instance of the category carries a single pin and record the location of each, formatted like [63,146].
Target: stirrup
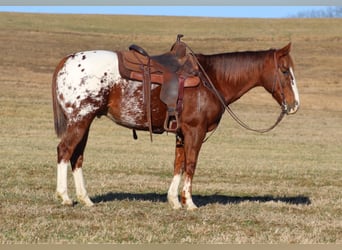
[171,121]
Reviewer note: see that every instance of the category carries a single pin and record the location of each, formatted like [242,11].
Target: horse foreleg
[76,165]
[192,145]
[187,193]
[172,195]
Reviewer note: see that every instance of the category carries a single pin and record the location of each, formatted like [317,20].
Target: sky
[202,11]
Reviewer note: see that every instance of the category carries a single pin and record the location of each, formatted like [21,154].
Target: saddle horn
[179,48]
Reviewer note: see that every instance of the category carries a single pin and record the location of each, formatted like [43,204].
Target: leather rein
[206,79]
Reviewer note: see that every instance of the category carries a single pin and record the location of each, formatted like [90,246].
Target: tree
[330,12]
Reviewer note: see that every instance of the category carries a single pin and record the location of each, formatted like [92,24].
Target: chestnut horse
[88,84]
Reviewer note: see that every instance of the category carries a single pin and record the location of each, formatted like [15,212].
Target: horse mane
[232,66]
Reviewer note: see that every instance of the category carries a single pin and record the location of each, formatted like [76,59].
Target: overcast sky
[204,11]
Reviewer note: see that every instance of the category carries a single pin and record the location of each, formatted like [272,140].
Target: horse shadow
[201,200]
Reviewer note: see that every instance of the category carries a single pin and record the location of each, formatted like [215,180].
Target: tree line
[330,12]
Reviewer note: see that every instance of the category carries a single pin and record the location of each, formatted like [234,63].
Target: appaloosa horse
[88,84]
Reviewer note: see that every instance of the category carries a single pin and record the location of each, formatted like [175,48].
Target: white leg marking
[187,195]
[172,194]
[62,187]
[81,191]
[295,91]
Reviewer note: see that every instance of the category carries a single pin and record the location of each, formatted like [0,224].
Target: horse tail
[60,120]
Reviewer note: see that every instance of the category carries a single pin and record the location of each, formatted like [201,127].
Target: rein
[207,79]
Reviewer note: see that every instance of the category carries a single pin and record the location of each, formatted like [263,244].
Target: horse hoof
[89,203]
[67,203]
[174,202]
[86,201]
[176,206]
[192,207]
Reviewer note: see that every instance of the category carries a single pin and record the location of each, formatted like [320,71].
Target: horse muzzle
[291,109]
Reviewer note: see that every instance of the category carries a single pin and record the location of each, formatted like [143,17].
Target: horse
[88,84]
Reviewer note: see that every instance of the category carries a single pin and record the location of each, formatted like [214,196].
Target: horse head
[283,85]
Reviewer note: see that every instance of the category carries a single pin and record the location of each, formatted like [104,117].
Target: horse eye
[286,72]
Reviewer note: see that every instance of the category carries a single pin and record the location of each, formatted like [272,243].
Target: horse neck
[234,74]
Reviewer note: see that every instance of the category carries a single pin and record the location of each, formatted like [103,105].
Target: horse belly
[84,81]
[126,106]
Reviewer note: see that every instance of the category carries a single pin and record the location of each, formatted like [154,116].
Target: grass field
[280,187]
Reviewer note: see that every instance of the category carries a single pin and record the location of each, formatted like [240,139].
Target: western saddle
[174,71]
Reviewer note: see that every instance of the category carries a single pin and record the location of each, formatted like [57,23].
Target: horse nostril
[297,104]
[294,109]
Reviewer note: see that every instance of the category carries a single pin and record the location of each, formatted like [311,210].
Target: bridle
[206,79]
[278,80]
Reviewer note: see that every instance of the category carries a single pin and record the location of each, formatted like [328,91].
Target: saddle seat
[174,71]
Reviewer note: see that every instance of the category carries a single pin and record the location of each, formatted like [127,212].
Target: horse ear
[284,51]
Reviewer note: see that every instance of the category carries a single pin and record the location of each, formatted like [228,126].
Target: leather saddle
[173,70]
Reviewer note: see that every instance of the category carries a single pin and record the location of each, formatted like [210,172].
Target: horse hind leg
[76,165]
[71,149]
[62,188]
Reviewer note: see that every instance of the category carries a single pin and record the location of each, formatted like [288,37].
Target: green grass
[280,187]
